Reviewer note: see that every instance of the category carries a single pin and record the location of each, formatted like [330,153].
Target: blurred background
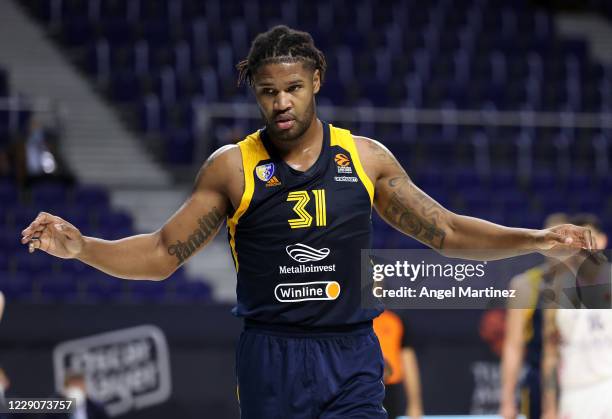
[498,109]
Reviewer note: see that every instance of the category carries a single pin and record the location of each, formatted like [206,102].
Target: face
[285,95]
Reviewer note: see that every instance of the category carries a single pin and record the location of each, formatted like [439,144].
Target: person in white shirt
[578,344]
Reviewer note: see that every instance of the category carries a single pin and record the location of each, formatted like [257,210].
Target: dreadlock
[281,44]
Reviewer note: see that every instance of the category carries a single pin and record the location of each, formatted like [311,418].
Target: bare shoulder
[369,148]
[376,159]
[222,170]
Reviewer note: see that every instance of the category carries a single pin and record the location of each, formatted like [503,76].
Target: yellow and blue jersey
[530,392]
[296,237]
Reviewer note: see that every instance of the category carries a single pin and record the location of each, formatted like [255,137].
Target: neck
[311,138]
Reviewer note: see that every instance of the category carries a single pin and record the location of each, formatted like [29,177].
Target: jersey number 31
[302,199]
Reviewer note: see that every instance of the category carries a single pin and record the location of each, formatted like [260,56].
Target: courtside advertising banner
[125,370]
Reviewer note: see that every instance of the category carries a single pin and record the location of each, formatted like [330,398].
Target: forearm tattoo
[207,226]
[415,213]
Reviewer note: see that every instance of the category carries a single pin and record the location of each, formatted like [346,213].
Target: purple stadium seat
[92,197]
[8,192]
[146,291]
[47,194]
[57,287]
[34,263]
[101,287]
[16,286]
[193,291]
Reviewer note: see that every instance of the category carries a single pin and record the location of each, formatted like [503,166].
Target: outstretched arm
[410,210]
[155,255]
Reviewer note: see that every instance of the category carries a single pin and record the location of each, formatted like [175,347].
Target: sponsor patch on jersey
[346,179]
[273,182]
[307,291]
[302,253]
[265,171]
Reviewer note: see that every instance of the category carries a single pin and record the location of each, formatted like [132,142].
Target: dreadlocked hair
[281,44]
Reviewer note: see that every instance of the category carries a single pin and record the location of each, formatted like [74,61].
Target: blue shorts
[289,375]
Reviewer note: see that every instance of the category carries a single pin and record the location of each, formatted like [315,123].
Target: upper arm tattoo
[414,213]
[207,227]
[380,154]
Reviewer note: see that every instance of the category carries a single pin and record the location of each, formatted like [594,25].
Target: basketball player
[578,352]
[297,196]
[523,336]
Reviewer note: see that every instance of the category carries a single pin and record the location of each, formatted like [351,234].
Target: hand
[54,236]
[564,241]
[508,411]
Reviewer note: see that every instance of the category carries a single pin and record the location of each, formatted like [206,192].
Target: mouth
[284,122]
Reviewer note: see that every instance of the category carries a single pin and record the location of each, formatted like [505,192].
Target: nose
[282,101]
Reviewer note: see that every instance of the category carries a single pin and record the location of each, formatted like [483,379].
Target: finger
[33,233]
[34,226]
[44,218]
[33,245]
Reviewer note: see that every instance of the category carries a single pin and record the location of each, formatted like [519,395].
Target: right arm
[513,351]
[412,383]
[154,255]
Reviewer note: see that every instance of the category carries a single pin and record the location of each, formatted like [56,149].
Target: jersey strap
[253,151]
[344,139]
[535,276]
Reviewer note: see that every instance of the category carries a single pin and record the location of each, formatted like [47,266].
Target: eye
[294,88]
[267,91]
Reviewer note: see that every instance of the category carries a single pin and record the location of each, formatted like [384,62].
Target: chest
[328,195]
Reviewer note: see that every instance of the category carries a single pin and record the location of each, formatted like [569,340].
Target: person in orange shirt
[401,376]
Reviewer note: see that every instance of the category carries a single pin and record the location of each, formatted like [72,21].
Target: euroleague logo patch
[342,160]
[343,163]
[265,171]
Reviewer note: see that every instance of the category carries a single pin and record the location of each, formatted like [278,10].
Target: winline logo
[307,291]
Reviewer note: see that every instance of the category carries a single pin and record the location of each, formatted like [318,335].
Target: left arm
[410,210]
[412,383]
[550,364]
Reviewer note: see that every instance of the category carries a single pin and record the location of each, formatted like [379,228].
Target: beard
[300,125]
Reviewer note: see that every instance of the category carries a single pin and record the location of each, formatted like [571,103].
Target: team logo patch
[302,253]
[265,171]
[342,160]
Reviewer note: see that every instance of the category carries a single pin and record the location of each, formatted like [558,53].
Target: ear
[316,81]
